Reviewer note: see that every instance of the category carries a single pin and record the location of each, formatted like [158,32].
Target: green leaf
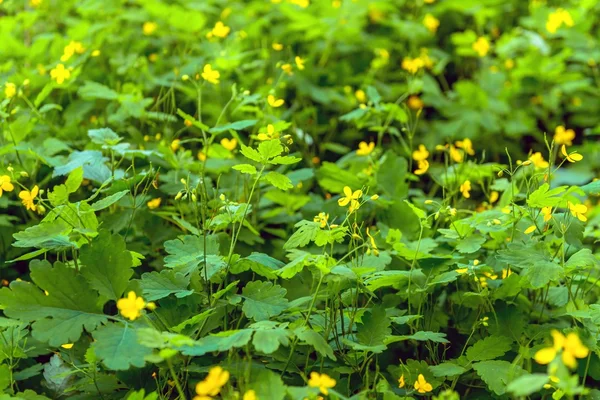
[374,327]
[278,180]
[262,264]
[236,126]
[94,90]
[446,369]
[527,384]
[74,180]
[422,336]
[109,200]
[251,154]
[315,340]
[285,160]
[470,244]
[245,169]
[107,265]
[263,300]
[46,235]
[540,273]
[267,385]
[489,348]
[223,341]
[5,377]
[195,320]
[118,348]
[157,285]
[307,231]
[105,136]
[60,317]
[268,336]
[333,178]
[544,197]
[269,149]
[187,253]
[592,188]
[497,374]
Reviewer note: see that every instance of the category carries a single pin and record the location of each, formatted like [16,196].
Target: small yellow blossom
[431,23]
[202,156]
[96,53]
[28,197]
[35,3]
[220,30]
[506,273]
[578,210]
[300,3]
[557,18]
[361,96]
[322,219]
[60,74]
[531,229]
[175,144]
[364,148]
[481,46]
[421,153]
[131,306]
[494,197]
[422,167]
[509,64]
[10,90]
[210,75]
[466,145]
[269,135]
[422,386]
[229,144]
[299,62]
[401,382]
[465,189]
[538,160]
[456,155]
[415,103]
[287,68]
[547,212]
[211,385]
[277,46]
[274,102]
[412,65]
[149,28]
[573,157]
[154,203]
[70,49]
[350,198]
[250,395]
[569,347]
[564,136]
[321,381]
[5,185]
[67,346]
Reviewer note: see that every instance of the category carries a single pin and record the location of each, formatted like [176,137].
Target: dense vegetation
[299,199]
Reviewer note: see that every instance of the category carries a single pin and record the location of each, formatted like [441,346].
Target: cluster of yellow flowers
[421,385]
[70,49]
[10,90]
[414,65]
[220,30]
[289,69]
[431,23]
[481,46]
[557,18]
[568,347]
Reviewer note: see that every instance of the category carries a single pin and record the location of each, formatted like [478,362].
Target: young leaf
[307,230]
[269,149]
[251,154]
[245,169]
[263,300]
[285,160]
[312,338]
[278,180]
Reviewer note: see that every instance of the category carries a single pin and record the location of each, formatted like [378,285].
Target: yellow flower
[494,197]
[271,134]
[5,185]
[277,46]
[422,167]
[364,148]
[35,3]
[210,75]
[154,203]
[422,386]
[60,74]
[95,53]
[570,348]
[564,136]
[466,145]
[456,154]
[538,160]
[28,197]
[175,144]
[149,28]
[131,306]
[465,189]
[67,346]
[557,18]
[274,102]
[547,211]
[481,46]
[287,68]
[70,49]
[421,153]
[431,23]
[202,156]
[361,96]
[229,144]
[401,382]
[300,3]
[220,30]
[211,385]
[250,395]
[530,229]
[10,90]
[299,62]
[322,381]
[322,219]
[415,103]
[573,157]
[506,273]
[412,65]
[578,210]
[350,198]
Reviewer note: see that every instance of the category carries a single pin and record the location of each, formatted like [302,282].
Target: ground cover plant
[299,199]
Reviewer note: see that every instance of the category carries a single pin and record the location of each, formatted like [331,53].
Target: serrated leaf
[157,285]
[438,337]
[107,265]
[278,180]
[312,338]
[118,348]
[374,327]
[263,300]
[285,160]
[527,384]
[245,169]
[74,180]
[95,90]
[187,253]
[223,341]
[269,149]
[540,273]
[46,235]
[251,153]
[470,244]
[497,374]
[262,264]
[195,320]
[267,339]
[105,136]
[109,200]
[545,197]
[60,317]
[446,369]
[489,348]
[307,230]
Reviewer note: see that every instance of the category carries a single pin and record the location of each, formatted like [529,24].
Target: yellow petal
[545,356]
